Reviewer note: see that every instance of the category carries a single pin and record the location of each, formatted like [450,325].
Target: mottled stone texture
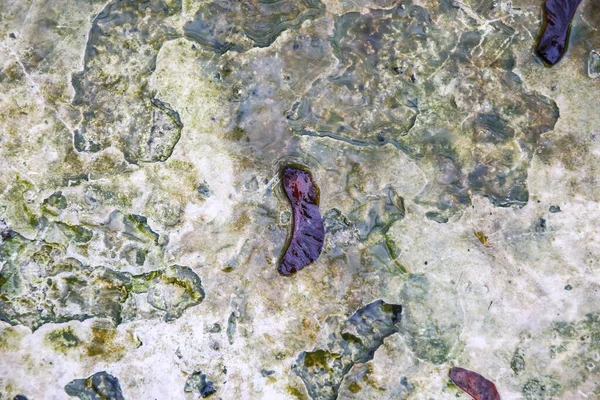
[118,106]
[42,284]
[143,217]
[322,370]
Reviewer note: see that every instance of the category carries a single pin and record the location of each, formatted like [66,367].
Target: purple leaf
[553,41]
[308,232]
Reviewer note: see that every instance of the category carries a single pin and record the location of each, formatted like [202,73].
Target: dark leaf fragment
[308,233]
[553,42]
[474,384]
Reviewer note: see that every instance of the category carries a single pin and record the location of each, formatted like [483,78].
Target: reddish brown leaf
[474,384]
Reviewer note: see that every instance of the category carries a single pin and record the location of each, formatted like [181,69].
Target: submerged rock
[432,321]
[221,26]
[197,382]
[100,386]
[117,104]
[390,88]
[40,283]
[594,64]
[322,370]
[542,388]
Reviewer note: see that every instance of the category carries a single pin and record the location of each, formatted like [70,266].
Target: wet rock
[594,65]
[100,386]
[40,283]
[383,255]
[239,257]
[117,105]
[322,370]
[341,232]
[54,204]
[378,214]
[432,323]
[436,216]
[231,327]
[130,238]
[579,341]
[255,116]
[204,191]
[517,364]
[543,388]
[308,231]
[335,221]
[221,26]
[198,382]
[371,100]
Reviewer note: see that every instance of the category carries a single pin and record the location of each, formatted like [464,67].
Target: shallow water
[143,216]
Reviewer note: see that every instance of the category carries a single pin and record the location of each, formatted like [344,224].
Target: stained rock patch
[322,370]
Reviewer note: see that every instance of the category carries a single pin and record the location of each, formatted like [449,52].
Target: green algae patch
[103,341]
[482,238]
[231,327]
[296,393]
[77,233]
[10,338]
[139,224]
[62,340]
[54,204]
[517,363]
[18,211]
[354,387]
[172,290]
[319,359]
